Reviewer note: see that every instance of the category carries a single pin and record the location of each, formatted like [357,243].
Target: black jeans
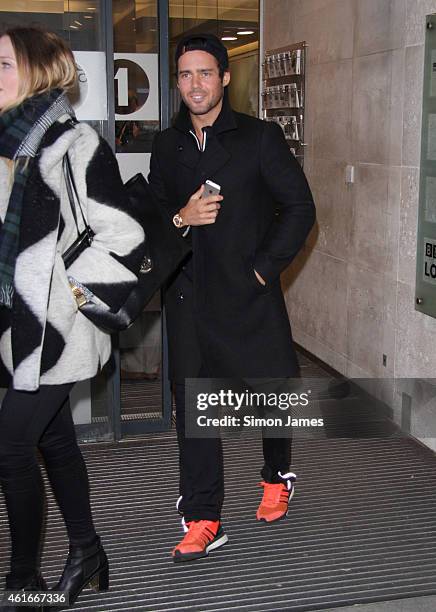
[42,420]
[202,469]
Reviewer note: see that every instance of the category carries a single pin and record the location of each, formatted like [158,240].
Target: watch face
[177,220]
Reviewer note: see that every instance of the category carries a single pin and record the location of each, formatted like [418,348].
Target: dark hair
[204,42]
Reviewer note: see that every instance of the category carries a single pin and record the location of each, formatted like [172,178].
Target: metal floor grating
[362,527]
[141,399]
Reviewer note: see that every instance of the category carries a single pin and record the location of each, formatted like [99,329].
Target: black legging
[42,420]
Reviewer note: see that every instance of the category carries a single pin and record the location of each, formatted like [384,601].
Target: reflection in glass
[238,23]
[431,149]
[77,22]
[430,199]
[433,74]
[135,31]
[136,35]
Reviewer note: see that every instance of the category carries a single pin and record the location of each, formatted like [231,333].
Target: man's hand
[259,278]
[201,211]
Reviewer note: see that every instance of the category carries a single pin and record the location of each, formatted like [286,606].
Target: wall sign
[429,271]
[89,99]
[136,87]
[425,290]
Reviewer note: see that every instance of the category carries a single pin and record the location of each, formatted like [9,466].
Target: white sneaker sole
[217,543]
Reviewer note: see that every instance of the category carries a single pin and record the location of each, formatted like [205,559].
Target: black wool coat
[219,317]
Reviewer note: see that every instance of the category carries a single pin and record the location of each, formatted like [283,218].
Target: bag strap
[73,195]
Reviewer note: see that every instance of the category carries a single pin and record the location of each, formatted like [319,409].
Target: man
[226,315]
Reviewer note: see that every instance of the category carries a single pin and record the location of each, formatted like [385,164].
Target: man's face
[199,81]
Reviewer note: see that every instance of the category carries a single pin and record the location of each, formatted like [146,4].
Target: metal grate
[141,399]
[362,528]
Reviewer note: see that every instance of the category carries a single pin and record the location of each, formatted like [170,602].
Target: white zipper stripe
[200,147]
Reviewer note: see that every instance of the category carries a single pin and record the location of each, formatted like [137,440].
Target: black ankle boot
[32,583]
[86,565]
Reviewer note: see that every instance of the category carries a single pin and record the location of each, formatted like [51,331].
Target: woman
[46,344]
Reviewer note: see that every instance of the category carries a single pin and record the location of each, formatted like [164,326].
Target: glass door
[139,92]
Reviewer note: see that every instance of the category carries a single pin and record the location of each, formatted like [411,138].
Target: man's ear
[226,78]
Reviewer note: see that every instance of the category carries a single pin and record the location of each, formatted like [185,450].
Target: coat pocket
[251,277]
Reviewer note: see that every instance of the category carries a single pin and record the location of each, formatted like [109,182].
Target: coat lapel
[214,157]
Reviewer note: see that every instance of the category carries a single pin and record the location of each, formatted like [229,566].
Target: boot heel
[86,565]
[100,582]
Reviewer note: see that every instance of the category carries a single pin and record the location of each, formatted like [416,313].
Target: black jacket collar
[225,121]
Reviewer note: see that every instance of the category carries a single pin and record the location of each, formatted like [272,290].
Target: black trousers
[202,470]
[42,420]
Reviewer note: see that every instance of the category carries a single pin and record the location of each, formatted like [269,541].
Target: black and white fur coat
[45,339]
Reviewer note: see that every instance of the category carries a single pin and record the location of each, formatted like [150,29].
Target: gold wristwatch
[178,221]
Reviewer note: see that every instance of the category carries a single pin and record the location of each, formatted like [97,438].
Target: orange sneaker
[201,538]
[276,498]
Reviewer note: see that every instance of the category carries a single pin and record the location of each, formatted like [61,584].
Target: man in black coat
[226,315]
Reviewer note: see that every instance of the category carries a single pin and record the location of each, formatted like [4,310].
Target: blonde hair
[44,62]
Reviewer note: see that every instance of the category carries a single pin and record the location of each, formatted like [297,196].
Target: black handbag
[165,250]
[84,239]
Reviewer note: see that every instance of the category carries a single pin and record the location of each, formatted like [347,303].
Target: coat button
[180,148]
[181,297]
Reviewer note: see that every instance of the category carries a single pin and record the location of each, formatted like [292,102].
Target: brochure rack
[283,93]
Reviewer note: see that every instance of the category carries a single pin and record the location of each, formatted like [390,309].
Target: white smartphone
[211,189]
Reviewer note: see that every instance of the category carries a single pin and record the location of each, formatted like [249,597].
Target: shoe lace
[290,478]
[185,525]
[271,493]
[197,531]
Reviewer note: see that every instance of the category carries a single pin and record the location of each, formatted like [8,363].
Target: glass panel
[77,22]
[236,22]
[430,199]
[80,24]
[136,43]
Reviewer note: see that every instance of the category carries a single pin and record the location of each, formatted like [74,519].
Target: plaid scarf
[21,130]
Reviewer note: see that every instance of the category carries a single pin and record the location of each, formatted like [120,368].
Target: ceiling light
[90,8]
[74,27]
[78,22]
[229,38]
[245,32]
[88,17]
